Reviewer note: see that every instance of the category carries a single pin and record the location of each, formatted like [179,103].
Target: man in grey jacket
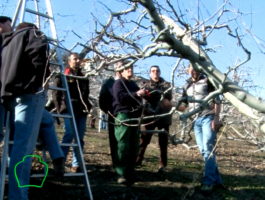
[205,126]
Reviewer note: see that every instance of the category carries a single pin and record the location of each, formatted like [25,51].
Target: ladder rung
[38,13]
[68,145]
[62,116]
[73,174]
[51,39]
[54,63]
[57,88]
[42,175]
[37,143]
[62,144]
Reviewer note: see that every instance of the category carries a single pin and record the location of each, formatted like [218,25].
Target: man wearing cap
[126,105]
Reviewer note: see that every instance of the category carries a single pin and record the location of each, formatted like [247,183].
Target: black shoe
[161,170]
[138,162]
[58,167]
[220,186]
[207,189]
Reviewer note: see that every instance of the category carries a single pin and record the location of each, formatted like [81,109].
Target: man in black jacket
[23,72]
[157,86]
[126,105]
[105,104]
[79,93]
[5,26]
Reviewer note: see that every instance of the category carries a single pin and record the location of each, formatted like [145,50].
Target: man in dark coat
[79,93]
[5,26]
[23,73]
[156,86]
[105,104]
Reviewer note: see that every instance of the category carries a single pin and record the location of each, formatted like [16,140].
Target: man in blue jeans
[79,93]
[205,127]
[103,124]
[24,70]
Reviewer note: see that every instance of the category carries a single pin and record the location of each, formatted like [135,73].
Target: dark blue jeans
[69,136]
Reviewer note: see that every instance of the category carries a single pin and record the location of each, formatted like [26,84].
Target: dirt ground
[241,168]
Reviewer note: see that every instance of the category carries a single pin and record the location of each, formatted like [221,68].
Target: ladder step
[68,145]
[62,116]
[42,175]
[54,63]
[51,39]
[38,13]
[57,88]
[37,143]
[61,144]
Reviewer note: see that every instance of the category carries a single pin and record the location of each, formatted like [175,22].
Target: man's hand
[181,108]
[216,123]
[140,93]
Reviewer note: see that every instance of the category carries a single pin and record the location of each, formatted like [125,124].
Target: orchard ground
[241,167]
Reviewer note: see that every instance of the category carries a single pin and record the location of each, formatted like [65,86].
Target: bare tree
[170,36]
[148,28]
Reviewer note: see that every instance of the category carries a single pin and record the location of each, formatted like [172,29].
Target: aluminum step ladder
[22,9]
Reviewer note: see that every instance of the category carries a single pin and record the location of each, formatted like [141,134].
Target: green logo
[38,186]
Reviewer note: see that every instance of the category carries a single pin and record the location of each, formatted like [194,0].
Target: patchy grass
[242,171]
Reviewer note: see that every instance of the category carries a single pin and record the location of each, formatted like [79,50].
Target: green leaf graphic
[38,186]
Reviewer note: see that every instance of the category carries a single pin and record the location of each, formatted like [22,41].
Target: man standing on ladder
[5,26]
[25,67]
[79,93]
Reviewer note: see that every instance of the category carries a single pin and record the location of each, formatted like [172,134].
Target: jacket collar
[161,80]
[7,37]
[200,77]
[124,79]
[68,71]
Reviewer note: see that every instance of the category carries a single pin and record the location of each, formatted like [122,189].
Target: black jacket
[24,62]
[105,96]
[1,41]
[79,106]
[158,88]
[123,102]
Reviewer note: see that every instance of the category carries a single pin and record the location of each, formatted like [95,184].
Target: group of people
[128,145]
[23,71]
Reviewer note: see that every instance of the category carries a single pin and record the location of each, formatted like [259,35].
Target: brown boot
[76,169]
[138,161]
